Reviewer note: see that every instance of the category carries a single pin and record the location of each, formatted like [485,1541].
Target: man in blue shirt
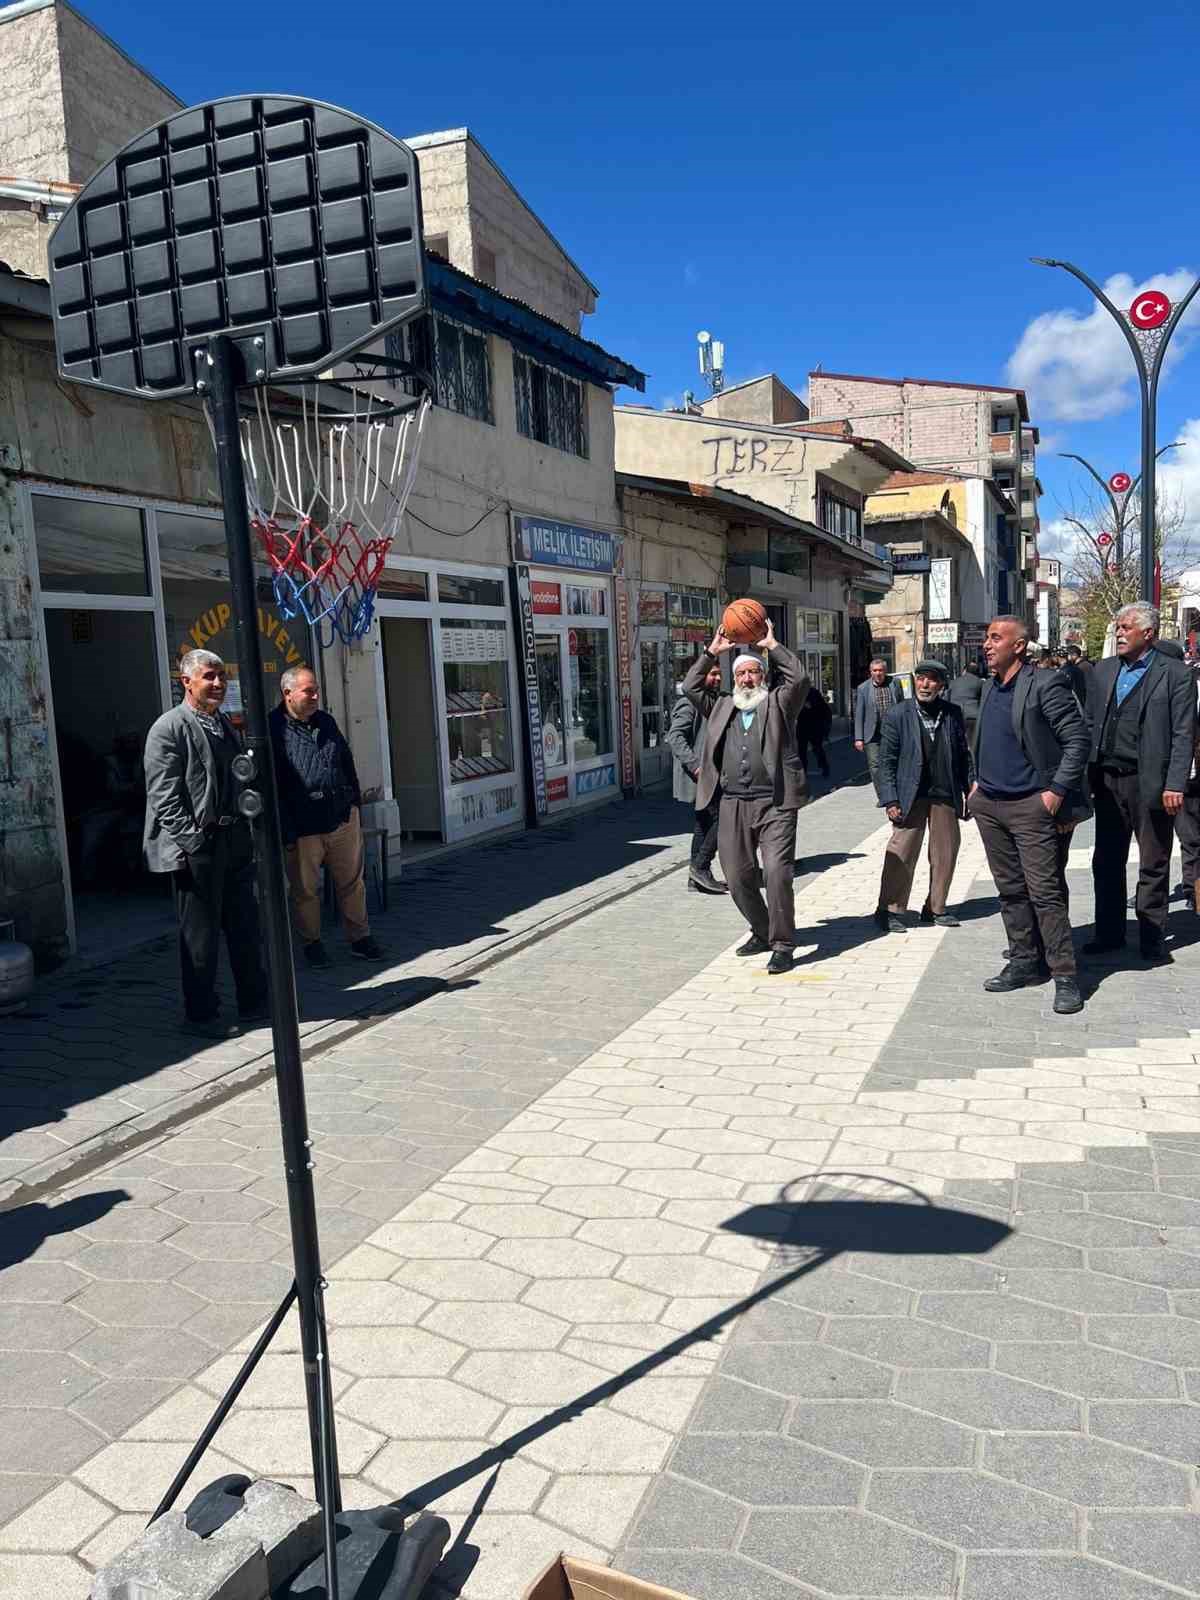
[1031,745]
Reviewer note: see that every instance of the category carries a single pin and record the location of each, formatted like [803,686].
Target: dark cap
[930,669]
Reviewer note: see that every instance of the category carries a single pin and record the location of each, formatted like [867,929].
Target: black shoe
[1067,998]
[1102,947]
[754,946]
[258,1018]
[1016,975]
[889,921]
[210,1028]
[781,961]
[939,919]
[703,879]
[316,954]
[368,949]
[1182,891]
[1156,954]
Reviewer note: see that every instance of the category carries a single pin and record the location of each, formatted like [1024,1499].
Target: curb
[89,1154]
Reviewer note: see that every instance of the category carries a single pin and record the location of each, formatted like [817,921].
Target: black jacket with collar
[1053,733]
[1166,722]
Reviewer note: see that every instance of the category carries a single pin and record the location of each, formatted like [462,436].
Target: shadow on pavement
[24,1229]
[807,1234]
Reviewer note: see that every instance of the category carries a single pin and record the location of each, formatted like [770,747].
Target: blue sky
[856,186]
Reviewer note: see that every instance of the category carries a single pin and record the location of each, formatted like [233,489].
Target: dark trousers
[746,828]
[816,743]
[872,753]
[214,894]
[1122,815]
[704,835]
[1187,826]
[1025,855]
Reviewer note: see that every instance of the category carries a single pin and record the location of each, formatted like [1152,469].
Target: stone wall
[33,140]
[24,234]
[109,99]
[761,400]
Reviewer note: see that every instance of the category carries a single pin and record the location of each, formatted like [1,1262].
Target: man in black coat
[685,740]
[924,777]
[320,806]
[812,729]
[1142,709]
[965,693]
[1031,746]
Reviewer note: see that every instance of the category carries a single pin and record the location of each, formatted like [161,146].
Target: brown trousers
[904,851]
[341,853]
[745,828]
[1024,851]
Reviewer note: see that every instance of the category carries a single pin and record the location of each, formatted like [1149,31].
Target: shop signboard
[547,598]
[556,790]
[942,633]
[652,608]
[908,563]
[546,543]
[625,683]
[940,585]
[529,684]
[595,779]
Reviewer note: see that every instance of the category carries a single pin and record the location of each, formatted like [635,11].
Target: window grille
[551,407]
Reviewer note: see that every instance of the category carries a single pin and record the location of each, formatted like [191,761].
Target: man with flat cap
[749,756]
[924,779]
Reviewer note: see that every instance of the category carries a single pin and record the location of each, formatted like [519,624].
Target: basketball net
[326,493]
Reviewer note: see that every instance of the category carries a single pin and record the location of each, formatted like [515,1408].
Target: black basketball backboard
[290,225]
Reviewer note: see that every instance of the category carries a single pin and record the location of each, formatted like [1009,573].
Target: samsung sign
[544,543]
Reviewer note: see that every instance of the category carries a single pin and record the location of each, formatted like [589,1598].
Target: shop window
[455,357]
[399,583]
[456,590]
[551,407]
[591,693]
[89,547]
[1003,422]
[475,676]
[840,517]
[586,600]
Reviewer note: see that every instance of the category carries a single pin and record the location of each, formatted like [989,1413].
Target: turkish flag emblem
[1150,309]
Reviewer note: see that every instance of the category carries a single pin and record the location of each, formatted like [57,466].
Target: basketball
[745,621]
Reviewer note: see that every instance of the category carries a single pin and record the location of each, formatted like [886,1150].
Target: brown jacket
[778,729]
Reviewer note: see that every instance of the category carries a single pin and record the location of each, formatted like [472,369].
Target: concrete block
[169,1562]
[286,1525]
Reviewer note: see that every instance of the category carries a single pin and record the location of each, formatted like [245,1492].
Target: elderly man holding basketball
[749,759]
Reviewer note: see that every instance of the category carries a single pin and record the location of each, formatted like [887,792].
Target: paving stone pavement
[635,1261]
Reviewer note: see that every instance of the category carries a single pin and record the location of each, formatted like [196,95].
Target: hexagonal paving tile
[1164,1546]
[47,1378]
[881,1433]
[554,1258]
[401,1469]
[989,1400]
[596,1440]
[143,1353]
[41,1327]
[809,1370]
[138,1305]
[764,1470]
[603,1299]
[403,1352]
[491,1326]
[1088,1471]
[966,1509]
[40,1282]
[224,1242]
[1087,1371]
[601,1200]
[115,1259]
[420,1408]
[30,1446]
[904,1343]
[849,1552]
[430,1241]
[541,1377]
[519,1221]
[642,1236]
[688,1275]
[461,1280]
[269,1442]
[352,1303]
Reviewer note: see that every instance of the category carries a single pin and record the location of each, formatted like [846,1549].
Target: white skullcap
[755,661]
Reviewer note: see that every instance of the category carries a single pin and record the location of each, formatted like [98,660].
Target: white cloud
[1076,365]
[1057,541]
[1178,473]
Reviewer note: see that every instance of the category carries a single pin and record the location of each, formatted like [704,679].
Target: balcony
[1003,445]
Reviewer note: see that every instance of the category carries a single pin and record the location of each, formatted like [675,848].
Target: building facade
[1049,581]
[978,430]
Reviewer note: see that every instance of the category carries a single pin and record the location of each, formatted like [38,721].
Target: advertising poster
[529,686]
[625,682]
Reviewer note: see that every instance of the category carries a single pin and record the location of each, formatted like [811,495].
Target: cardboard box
[568,1578]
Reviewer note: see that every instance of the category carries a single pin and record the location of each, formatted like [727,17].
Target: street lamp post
[1147,326]
[1119,485]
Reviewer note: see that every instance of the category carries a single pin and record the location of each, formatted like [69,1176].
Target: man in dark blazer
[195,833]
[684,735]
[1030,752]
[1142,709]
[872,700]
[749,757]
[924,778]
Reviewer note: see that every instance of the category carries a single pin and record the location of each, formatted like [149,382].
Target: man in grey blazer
[683,740]
[1031,744]
[194,832]
[872,701]
[1142,709]
[749,757]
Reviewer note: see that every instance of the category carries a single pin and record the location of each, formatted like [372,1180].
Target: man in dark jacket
[1031,745]
[965,693]
[812,729]
[684,736]
[749,757]
[320,806]
[872,700]
[924,777]
[1142,709]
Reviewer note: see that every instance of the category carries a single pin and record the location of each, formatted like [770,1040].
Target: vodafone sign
[1150,309]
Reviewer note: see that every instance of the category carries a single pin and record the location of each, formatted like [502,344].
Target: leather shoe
[1102,947]
[939,919]
[754,946]
[316,954]
[1014,976]
[703,878]
[1067,998]
[781,961]
[889,921]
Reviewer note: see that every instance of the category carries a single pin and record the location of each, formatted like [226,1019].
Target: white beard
[749,699]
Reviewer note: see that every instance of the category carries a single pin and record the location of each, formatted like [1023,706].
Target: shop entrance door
[105,687]
[656,708]
[575,689]
[412,729]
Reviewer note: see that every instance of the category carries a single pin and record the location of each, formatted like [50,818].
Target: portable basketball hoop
[327,491]
[260,242]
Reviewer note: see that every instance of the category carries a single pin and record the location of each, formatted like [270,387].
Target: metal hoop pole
[257,800]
